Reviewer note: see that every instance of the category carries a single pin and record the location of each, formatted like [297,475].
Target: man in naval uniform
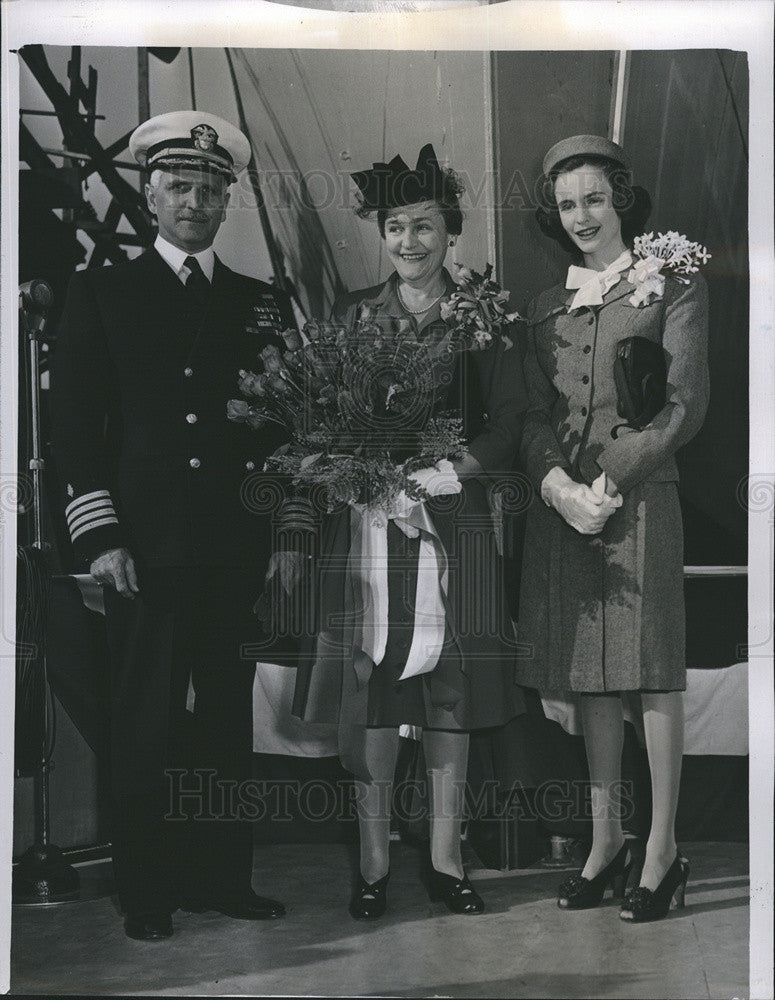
[162,501]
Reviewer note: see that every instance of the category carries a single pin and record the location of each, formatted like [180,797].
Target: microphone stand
[41,874]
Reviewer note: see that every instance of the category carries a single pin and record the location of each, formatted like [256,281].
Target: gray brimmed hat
[584,145]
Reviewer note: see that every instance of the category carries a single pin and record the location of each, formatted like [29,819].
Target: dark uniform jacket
[145,453]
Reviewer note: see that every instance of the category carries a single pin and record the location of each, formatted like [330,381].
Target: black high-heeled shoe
[642,905]
[579,893]
[458,893]
[369,900]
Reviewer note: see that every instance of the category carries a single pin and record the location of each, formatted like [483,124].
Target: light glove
[615,499]
[437,480]
[585,509]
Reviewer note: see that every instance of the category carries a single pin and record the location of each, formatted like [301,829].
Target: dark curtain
[686,128]
[538,98]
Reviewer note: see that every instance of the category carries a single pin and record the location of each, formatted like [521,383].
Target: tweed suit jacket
[569,371]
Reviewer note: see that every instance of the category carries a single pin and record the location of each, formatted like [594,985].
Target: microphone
[36,297]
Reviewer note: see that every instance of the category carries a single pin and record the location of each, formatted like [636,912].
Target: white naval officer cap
[190,139]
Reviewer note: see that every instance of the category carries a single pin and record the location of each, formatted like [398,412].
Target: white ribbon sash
[369,563]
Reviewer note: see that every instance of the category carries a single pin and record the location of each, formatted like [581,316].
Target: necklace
[418,312]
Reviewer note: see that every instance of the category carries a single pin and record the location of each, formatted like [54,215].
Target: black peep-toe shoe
[579,893]
[369,901]
[642,905]
[458,893]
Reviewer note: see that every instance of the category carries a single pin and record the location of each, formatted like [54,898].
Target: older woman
[472,686]
[602,586]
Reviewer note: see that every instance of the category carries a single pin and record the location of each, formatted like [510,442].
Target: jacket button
[585,379]
[191,418]
[485,416]
[188,372]
[194,463]
[583,411]
[591,320]
[250,466]
[587,348]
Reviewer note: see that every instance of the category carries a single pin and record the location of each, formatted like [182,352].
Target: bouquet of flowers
[360,402]
[668,252]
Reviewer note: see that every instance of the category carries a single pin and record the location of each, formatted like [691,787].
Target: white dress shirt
[174,256]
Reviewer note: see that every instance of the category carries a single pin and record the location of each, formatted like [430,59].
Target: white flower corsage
[668,252]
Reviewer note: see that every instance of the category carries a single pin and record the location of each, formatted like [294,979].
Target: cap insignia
[205,137]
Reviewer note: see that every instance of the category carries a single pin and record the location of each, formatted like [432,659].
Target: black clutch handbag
[640,374]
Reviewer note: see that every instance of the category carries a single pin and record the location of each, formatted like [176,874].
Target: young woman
[602,580]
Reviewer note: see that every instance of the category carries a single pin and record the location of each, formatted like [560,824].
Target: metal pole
[191,77]
[42,875]
[275,256]
[619,95]
[37,463]
[143,86]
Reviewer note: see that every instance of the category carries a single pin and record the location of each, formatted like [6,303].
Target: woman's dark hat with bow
[393,185]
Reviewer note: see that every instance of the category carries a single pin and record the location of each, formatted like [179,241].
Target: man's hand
[116,568]
[289,566]
[581,507]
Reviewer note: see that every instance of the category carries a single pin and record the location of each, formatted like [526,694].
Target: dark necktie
[197,285]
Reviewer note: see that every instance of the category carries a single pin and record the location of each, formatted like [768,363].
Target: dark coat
[606,612]
[473,685]
[179,483]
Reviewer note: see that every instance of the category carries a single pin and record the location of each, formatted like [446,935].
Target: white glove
[580,506]
[438,480]
[598,488]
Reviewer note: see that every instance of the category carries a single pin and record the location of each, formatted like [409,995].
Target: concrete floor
[523,946]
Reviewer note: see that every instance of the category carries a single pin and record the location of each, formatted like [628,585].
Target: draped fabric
[307,143]
[687,130]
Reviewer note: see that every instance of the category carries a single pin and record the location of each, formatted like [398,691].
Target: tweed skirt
[605,613]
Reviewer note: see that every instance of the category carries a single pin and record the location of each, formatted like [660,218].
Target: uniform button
[188,372]
[191,418]
[585,379]
[587,348]
[485,416]
[591,320]
[583,411]
[194,463]
[250,466]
